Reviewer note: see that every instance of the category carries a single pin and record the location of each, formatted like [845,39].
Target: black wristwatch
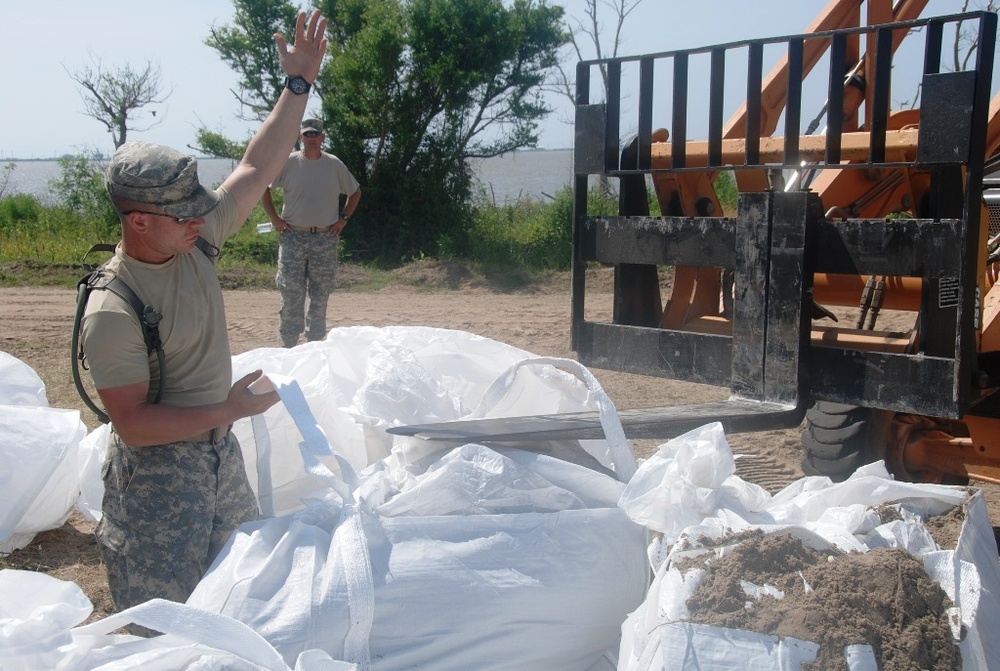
[297,85]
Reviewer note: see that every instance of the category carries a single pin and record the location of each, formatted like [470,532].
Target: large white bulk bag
[529,566]
[40,615]
[689,492]
[348,380]
[92,452]
[39,480]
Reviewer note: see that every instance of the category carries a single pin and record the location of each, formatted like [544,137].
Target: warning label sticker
[948,292]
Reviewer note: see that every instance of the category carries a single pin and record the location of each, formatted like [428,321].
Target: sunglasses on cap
[179,220]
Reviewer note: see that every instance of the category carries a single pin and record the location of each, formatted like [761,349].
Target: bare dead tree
[966,40]
[588,35]
[116,96]
[963,46]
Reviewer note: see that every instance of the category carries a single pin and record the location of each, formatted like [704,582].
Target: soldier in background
[309,225]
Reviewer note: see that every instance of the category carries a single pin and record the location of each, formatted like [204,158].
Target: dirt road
[36,324]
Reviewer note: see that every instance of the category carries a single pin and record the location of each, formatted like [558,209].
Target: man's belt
[211,436]
[309,229]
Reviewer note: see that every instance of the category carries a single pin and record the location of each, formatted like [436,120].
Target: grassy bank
[504,247]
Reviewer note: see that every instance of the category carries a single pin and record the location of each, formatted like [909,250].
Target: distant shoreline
[526,173]
[102,157]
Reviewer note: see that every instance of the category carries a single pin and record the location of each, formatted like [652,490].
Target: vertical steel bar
[646,65]
[716,102]
[678,134]
[969,308]
[880,95]
[835,98]
[612,138]
[793,106]
[755,69]
[578,267]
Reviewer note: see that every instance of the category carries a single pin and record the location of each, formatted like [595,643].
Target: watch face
[298,85]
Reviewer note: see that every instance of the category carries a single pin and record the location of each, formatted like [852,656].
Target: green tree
[213,143]
[413,91]
[418,88]
[248,48]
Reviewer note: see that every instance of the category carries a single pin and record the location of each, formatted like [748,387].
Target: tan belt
[309,229]
[211,436]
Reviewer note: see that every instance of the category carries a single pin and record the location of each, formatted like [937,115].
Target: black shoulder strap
[207,248]
[149,318]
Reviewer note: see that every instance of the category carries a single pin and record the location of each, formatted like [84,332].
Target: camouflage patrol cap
[151,173]
[311,125]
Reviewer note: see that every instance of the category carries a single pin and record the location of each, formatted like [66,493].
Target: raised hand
[305,56]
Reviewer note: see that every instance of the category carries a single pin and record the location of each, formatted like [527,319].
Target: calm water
[526,174]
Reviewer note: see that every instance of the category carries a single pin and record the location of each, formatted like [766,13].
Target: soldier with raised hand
[175,483]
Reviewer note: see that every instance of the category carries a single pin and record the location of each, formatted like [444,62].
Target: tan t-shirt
[185,291]
[312,189]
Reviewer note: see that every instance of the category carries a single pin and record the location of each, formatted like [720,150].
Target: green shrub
[18,210]
[80,188]
[526,234]
[249,246]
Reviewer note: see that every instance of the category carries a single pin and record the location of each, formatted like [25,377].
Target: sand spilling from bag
[883,598]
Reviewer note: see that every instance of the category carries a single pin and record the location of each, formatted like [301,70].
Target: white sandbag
[362,380]
[688,479]
[977,546]
[19,383]
[421,589]
[92,451]
[40,614]
[823,514]
[357,382]
[39,477]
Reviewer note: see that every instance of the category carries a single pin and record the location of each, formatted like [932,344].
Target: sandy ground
[36,324]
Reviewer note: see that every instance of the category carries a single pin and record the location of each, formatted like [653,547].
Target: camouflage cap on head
[151,173]
[311,125]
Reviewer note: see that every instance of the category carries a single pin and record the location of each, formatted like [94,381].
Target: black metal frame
[771,247]
[771,244]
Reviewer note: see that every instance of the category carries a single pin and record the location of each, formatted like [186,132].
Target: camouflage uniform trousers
[307,264]
[167,512]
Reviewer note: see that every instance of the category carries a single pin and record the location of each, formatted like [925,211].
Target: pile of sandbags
[387,552]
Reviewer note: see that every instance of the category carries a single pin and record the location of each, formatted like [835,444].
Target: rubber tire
[835,440]
[829,415]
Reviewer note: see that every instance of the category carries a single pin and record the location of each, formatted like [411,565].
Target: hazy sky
[42,111]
